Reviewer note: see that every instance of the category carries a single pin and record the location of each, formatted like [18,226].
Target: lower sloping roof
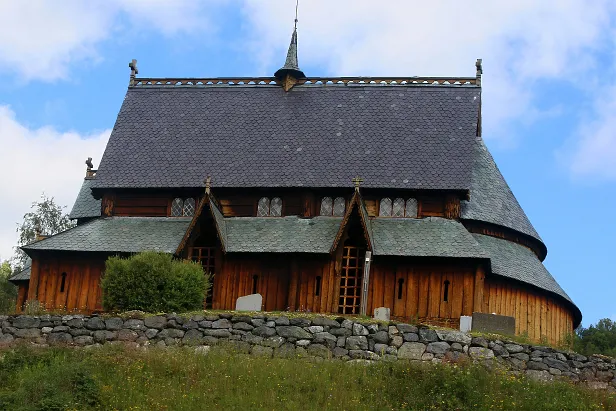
[24,274]
[519,263]
[427,237]
[86,206]
[118,234]
[281,235]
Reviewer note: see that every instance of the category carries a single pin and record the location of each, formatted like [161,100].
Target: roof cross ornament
[357,182]
[133,72]
[208,185]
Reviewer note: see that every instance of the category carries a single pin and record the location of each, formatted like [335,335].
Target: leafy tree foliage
[153,282]
[45,215]
[8,292]
[597,339]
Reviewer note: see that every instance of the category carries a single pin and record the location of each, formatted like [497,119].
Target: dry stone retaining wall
[321,337]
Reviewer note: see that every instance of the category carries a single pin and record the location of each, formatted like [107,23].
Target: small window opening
[400,284]
[317,288]
[446,291]
[63,283]
[255,278]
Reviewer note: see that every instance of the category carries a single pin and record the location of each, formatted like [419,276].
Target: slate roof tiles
[313,136]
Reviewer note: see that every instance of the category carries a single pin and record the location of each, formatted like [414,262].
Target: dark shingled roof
[281,235]
[85,205]
[491,199]
[118,234]
[414,136]
[427,237]
[517,262]
[24,274]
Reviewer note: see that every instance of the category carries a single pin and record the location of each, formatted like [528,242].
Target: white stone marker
[466,321]
[250,302]
[381,313]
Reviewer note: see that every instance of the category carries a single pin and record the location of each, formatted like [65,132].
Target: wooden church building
[328,195]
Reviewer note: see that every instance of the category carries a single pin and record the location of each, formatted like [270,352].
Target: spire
[290,72]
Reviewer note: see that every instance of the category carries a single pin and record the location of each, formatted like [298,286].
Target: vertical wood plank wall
[422,292]
[82,290]
[537,315]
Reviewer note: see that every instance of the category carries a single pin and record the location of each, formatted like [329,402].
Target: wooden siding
[420,294]
[141,205]
[541,317]
[81,290]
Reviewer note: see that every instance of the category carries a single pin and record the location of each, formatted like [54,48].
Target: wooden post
[479,284]
[365,284]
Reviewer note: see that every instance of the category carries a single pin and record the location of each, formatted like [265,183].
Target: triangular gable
[219,222]
[356,201]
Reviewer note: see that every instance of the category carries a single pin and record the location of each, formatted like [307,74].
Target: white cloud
[593,152]
[42,40]
[37,160]
[521,43]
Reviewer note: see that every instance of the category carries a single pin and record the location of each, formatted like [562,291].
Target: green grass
[178,379]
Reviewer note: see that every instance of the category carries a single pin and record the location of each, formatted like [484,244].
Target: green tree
[153,282]
[44,216]
[8,292]
[597,339]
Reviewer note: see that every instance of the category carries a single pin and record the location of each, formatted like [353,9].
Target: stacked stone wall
[318,337]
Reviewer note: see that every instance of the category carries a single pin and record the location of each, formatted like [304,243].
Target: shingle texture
[491,199]
[517,262]
[24,274]
[313,136]
[428,237]
[119,234]
[281,235]
[85,205]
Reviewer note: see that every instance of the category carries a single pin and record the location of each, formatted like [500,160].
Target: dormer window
[333,208]
[269,208]
[398,208]
[183,207]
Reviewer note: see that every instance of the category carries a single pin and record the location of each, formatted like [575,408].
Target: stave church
[322,194]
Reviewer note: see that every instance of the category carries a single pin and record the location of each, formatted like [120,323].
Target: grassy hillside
[178,379]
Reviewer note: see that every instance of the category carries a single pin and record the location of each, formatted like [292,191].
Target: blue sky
[549,93]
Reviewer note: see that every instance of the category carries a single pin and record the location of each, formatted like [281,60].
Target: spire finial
[290,73]
[479,66]
[357,182]
[208,185]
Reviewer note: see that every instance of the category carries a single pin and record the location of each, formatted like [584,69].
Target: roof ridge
[327,80]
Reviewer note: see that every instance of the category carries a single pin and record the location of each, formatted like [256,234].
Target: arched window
[400,287]
[263,207]
[177,207]
[255,280]
[189,207]
[446,291]
[267,208]
[398,208]
[385,207]
[339,205]
[411,208]
[327,206]
[183,207]
[276,207]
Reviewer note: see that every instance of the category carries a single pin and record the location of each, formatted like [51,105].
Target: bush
[8,292]
[153,282]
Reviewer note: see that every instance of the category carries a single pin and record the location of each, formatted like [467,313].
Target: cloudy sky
[549,92]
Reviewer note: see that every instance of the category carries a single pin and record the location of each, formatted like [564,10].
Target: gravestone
[250,302]
[466,322]
[492,323]
[381,313]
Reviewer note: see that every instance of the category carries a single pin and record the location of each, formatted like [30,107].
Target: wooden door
[351,280]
